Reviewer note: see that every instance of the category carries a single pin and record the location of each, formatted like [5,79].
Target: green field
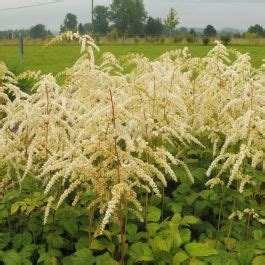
[56,58]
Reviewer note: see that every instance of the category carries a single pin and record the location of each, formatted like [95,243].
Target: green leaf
[131,229]
[153,214]
[179,258]
[4,240]
[22,240]
[83,257]
[199,250]
[175,207]
[27,251]
[55,240]
[136,237]
[259,260]
[160,244]
[67,261]
[190,219]
[230,243]
[105,259]
[152,229]
[141,252]
[99,244]
[185,235]
[81,243]
[199,173]
[11,257]
[176,219]
[197,262]
[15,207]
[257,234]
[71,226]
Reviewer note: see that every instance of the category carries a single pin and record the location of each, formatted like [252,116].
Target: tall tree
[258,29]
[101,19]
[172,20]
[138,18]
[210,31]
[39,31]
[128,16]
[81,29]
[70,23]
[154,26]
[192,33]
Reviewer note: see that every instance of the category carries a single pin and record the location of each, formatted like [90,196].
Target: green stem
[90,222]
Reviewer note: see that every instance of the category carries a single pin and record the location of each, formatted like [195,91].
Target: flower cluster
[113,134]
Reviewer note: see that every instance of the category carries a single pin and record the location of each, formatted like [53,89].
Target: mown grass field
[56,58]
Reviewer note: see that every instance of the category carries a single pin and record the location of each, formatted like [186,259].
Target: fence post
[21,46]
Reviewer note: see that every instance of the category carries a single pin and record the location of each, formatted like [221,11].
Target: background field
[56,58]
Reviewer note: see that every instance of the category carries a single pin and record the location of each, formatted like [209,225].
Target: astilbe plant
[114,134]
[102,132]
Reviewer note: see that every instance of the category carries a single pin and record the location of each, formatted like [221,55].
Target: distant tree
[128,16]
[87,27]
[39,32]
[192,33]
[183,31]
[210,31]
[258,30]
[70,23]
[101,19]
[172,20]
[138,18]
[81,29]
[154,26]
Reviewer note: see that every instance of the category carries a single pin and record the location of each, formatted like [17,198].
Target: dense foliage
[134,161]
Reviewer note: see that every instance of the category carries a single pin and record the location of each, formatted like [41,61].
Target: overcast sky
[193,13]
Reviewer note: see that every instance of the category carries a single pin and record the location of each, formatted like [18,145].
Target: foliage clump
[109,136]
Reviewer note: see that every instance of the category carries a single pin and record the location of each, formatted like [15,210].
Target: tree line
[128,18]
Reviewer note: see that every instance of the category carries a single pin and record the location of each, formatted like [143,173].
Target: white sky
[193,13]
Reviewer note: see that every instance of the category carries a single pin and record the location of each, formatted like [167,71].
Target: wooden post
[92,16]
[21,46]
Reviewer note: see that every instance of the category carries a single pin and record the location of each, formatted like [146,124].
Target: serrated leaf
[22,239]
[83,257]
[11,257]
[190,219]
[179,258]
[257,234]
[105,259]
[141,252]
[185,235]
[153,214]
[152,229]
[259,260]
[160,244]
[15,207]
[98,245]
[199,250]
[131,229]
[71,226]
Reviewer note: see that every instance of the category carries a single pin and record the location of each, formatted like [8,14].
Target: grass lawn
[56,58]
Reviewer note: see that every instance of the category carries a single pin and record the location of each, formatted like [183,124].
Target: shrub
[177,38]
[162,40]
[113,35]
[226,39]
[190,39]
[136,40]
[205,40]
